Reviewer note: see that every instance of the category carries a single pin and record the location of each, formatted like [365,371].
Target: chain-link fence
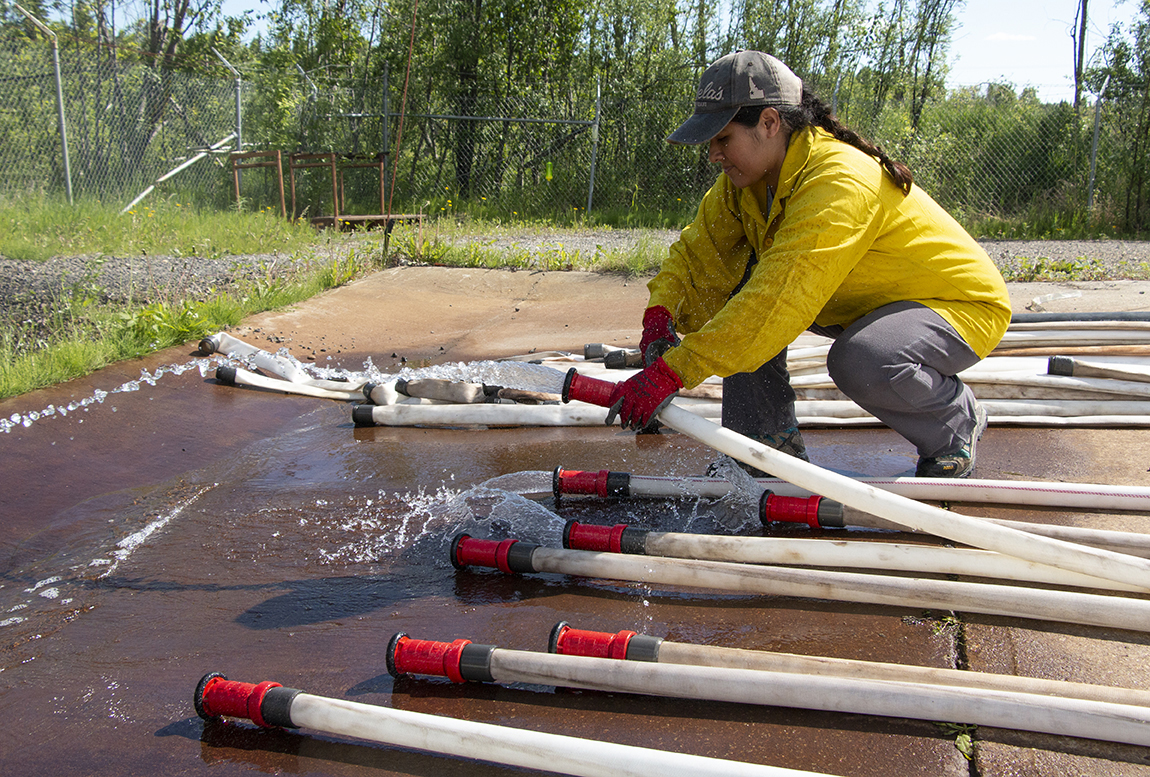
[531,154]
[126,123]
[516,155]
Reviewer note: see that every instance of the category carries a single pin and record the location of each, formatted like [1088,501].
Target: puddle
[291,545]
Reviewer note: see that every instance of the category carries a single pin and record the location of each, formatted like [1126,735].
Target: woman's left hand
[639,399]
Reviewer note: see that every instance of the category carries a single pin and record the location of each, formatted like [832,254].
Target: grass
[87,337]
[1025,270]
[455,242]
[1050,218]
[37,228]
[77,333]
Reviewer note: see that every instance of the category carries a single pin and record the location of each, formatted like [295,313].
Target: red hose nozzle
[602,539]
[623,645]
[217,696]
[590,390]
[504,555]
[619,538]
[566,641]
[423,656]
[603,483]
[460,661]
[792,509]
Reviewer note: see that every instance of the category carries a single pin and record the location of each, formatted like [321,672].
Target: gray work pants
[898,363]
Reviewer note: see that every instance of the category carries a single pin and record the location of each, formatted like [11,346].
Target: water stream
[510,374]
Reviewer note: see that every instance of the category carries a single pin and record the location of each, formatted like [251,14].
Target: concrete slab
[189,527]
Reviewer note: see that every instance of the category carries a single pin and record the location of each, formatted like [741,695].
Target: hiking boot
[788,441]
[958,464]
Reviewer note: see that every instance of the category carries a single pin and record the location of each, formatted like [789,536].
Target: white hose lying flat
[1086,496]
[1038,365]
[573,414]
[1052,715]
[995,408]
[516,747]
[845,414]
[245,378]
[1120,542]
[1078,336]
[1125,388]
[984,392]
[706,655]
[1098,368]
[1059,383]
[1079,325]
[1053,422]
[908,513]
[989,599]
[224,343]
[891,557]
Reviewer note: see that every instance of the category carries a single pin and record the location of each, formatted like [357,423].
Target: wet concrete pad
[204,528]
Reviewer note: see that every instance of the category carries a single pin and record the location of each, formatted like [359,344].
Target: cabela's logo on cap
[710,93]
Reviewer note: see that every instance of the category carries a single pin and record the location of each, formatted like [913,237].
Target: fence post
[239,112]
[59,98]
[594,143]
[1094,145]
[239,101]
[384,139]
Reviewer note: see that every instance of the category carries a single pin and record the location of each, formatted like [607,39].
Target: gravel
[31,291]
[32,294]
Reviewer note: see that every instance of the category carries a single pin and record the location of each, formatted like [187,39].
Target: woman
[811,226]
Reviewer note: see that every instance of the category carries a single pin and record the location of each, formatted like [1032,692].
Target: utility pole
[1079,55]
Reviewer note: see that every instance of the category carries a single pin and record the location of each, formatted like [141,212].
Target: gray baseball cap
[733,82]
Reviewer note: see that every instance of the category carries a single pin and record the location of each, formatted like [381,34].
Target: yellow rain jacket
[843,241]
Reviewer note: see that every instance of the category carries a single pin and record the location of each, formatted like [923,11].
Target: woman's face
[751,154]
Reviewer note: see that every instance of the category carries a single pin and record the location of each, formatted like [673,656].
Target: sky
[1027,42]
[1023,42]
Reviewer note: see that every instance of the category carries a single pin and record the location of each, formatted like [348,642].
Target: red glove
[639,399]
[658,331]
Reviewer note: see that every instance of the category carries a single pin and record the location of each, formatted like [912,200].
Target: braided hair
[814,111]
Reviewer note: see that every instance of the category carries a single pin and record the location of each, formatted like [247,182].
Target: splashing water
[98,396]
[739,508]
[520,375]
[129,544]
[423,531]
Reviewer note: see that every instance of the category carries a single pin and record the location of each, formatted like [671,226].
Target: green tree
[1128,91]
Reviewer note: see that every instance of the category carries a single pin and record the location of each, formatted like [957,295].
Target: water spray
[98,396]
